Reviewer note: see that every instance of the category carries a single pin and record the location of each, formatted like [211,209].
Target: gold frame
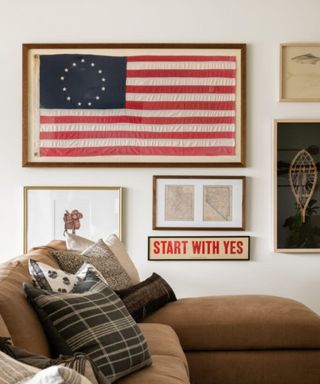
[282,96]
[30,188]
[275,184]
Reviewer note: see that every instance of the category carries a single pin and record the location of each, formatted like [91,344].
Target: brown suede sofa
[223,339]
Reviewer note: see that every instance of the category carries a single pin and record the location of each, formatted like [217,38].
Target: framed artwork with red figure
[51,212]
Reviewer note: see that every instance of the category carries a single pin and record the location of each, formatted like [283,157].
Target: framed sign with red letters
[199,248]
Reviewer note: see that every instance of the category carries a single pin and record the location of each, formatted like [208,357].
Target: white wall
[263,25]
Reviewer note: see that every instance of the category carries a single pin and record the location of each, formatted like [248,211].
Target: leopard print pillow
[102,258]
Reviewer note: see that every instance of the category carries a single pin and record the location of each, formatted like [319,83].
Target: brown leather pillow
[141,299]
[146,297]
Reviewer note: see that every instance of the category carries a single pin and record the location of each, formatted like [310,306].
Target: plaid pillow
[95,323]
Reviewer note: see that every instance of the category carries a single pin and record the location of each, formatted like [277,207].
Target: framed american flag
[134,105]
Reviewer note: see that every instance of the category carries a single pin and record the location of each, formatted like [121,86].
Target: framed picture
[199,248]
[296,186]
[300,72]
[90,212]
[134,105]
[199,202]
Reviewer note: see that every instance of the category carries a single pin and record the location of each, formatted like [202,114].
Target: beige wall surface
[263,25]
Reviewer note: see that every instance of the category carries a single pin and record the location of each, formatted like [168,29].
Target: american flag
[147,105]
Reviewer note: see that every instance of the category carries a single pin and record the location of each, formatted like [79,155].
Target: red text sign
[199,248]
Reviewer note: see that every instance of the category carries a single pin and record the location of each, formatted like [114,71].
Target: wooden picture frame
[198,203]
[197,248]
[296,185]
[300,72]
[90,212]
[109,121]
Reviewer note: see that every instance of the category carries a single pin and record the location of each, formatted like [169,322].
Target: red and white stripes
[175,106]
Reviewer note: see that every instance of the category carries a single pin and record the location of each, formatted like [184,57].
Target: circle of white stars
[67,92]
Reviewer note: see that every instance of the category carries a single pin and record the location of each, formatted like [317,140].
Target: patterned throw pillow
[79,244]
[87,268]
[80,363]
[95,323]
[51,279]
[146,297]
[101,257]
[56,280]
[12,372]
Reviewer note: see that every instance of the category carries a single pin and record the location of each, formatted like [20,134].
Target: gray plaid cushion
[95,323]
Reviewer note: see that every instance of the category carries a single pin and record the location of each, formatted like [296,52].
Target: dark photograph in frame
[296,178]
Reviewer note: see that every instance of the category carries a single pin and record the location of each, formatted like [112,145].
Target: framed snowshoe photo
[296,186]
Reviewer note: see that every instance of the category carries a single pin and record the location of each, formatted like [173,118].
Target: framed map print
[199,202]
[134,105]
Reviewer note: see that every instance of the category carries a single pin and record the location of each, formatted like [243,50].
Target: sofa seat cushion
[241,323]
[169,364]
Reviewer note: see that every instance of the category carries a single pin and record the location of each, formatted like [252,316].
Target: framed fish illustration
[296,186]
[300,72]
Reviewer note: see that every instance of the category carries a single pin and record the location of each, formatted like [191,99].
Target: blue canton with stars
[82,81]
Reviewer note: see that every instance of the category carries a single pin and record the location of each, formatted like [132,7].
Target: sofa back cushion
[3,328]
[20,319]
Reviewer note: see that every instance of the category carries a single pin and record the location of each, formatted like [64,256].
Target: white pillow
[58,375]
[57,280]
[80,244]
[77,243]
